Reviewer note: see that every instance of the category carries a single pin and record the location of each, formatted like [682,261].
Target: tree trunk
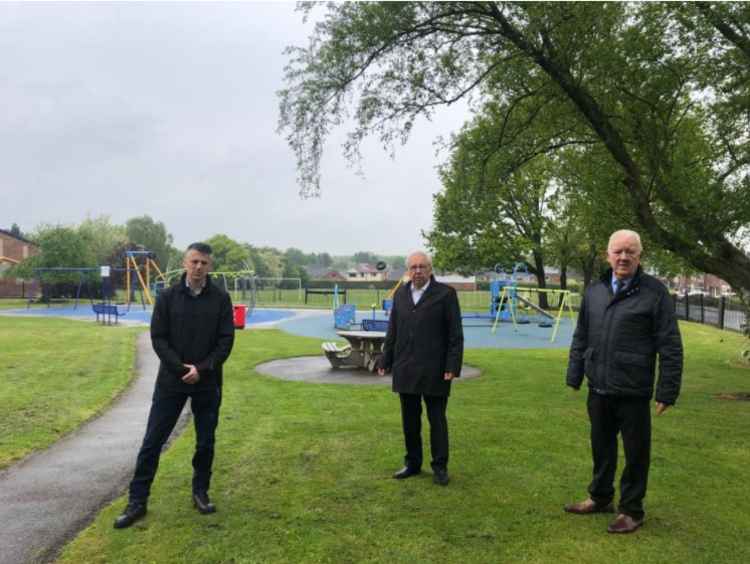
[540,278]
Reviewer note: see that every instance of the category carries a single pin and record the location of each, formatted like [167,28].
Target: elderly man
[192,332]
[424,350]
[626,321]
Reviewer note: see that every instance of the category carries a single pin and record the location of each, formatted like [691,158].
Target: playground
[336,444]
[320,324]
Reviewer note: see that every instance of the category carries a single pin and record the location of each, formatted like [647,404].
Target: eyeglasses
[623,252]
[419,267]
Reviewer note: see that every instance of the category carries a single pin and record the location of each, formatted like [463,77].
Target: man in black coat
[424,351]
[192,332]
[626,321]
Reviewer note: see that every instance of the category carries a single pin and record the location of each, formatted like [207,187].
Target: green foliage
[229,255]
[16,230]
[657,93]
[365,257]
[151,235]
[104,239]
[59,247]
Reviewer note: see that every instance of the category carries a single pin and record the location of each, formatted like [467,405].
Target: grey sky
[170,110]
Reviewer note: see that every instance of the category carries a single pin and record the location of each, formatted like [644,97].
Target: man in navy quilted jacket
[626,325]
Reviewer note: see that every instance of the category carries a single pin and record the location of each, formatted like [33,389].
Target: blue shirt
[625,283]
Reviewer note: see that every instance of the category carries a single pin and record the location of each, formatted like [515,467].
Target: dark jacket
[424,341]
[187,329]
[618,338]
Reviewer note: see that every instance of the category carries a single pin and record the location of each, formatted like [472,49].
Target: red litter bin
[240,313]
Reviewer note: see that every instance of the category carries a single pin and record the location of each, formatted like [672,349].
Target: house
[324,273]
[364,272]
[14,249]
[706,284]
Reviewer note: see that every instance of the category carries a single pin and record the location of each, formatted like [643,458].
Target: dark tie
[619,285]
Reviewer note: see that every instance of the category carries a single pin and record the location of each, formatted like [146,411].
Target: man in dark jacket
[192,332]
[424,351]
[626,320]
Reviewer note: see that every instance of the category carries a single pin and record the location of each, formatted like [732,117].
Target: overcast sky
[170,110]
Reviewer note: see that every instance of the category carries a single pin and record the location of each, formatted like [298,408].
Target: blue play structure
[504,299]
[345,316]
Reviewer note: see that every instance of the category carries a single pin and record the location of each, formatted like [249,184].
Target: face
[197,266]
[419,269]
[624,256]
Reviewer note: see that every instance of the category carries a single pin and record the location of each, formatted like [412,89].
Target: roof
[9,234]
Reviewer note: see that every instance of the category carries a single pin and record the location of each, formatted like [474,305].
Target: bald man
[626,321]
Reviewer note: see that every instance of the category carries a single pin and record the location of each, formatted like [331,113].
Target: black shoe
[202,503]
[440,476]
[406,472]
[133,512]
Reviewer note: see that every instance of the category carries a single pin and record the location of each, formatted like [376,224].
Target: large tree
[60,247]
[229,255]
[151,235]
[661,89]
[104,239]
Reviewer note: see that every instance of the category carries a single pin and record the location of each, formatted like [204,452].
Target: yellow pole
[127,279]
[146,291]
[563,301]
[158,270]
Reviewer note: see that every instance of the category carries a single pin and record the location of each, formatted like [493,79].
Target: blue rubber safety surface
[477,335]
[319,324]
[138,314]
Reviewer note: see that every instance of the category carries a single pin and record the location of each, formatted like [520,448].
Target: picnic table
[363,350]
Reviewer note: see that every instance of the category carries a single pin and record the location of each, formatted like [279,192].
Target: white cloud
[170,109]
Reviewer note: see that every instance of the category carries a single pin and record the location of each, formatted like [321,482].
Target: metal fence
[724,312]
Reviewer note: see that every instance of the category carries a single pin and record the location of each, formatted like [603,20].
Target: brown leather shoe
[624,524]
[588,506]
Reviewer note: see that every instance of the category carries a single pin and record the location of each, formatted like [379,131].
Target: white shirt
[416,294]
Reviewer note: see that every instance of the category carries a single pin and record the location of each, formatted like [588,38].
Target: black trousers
[411,420]
[166,407]
[631,417]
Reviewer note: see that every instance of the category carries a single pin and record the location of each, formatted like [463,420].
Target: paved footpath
[49,497]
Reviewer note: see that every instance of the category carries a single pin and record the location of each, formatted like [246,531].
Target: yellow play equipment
[517,298]
[143,265]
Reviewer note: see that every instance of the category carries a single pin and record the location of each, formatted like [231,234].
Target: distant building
[14,249]
[365,273]
[324,273]
[706,284]
[457,281]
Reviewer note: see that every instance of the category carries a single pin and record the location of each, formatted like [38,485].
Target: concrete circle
[318,370]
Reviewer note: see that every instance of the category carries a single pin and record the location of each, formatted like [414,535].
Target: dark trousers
[166,407]
[411,420]
[631,417]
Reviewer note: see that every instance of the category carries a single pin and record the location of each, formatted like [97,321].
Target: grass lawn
[13,303]
[302,472]
[56,374]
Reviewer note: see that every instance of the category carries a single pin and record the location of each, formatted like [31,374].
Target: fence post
[703,317]
[722,310]
[687,306]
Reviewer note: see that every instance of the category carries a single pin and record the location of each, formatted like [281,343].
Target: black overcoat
[187,329]
[424,340]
